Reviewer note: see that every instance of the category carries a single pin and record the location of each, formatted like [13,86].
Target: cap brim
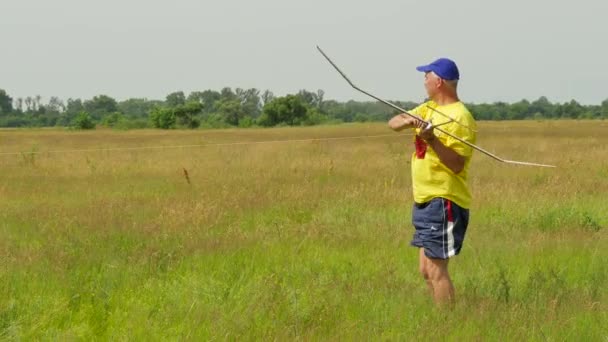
[424,68]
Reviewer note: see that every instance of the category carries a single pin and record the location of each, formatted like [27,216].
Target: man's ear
[440,82]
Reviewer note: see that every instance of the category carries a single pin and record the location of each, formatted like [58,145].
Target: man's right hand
[402,121]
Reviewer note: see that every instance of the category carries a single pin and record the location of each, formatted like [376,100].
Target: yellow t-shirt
[430,177]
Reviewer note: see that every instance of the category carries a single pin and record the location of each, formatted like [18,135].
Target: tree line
[247,108]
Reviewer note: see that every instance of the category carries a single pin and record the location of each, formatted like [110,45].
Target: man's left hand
[426,131]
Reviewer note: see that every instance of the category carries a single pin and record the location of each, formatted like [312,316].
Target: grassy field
[304,240]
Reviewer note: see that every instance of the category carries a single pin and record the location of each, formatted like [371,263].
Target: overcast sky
[506,50]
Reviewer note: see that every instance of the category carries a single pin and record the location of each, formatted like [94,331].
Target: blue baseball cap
[442,67]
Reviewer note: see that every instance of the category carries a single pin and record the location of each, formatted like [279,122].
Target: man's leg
[439,278]
[424,272]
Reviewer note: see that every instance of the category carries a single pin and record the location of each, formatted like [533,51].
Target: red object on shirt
[421,147]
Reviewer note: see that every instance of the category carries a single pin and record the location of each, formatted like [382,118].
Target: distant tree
[19,104]
[501,111]
[266,97]
[308,97]
[477,110]
[518,110]
[163,117]
[83,121]
[186,114]
[230,110]
[312,99]
[74,106]
[604,108]
[333,108]
[196,96]
[320,98]
[227,94]
[591,112]
[250,101]
[55,105]
[290,110]
[175,99]
[28,103]
[170,117]
[113,120]
[360,117]
[37,103]
[6,103]
[314,117]
[137,107]
[542,106]
[572,110]
[100,105]
[207,98]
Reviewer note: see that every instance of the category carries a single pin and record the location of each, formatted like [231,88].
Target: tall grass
[298,240]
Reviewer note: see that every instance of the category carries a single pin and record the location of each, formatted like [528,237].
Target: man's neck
[445,99]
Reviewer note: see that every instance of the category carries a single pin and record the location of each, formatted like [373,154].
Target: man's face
[431,83]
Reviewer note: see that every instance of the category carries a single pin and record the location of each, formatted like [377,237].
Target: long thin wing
[418,118]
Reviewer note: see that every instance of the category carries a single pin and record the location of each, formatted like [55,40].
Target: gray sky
[506,50]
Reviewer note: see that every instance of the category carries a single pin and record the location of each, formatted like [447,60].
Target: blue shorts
[440,227]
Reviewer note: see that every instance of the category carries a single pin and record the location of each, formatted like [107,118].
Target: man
[439,175]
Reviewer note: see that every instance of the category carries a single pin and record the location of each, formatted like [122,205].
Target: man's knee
[436,269]
[424,272]
[423,269]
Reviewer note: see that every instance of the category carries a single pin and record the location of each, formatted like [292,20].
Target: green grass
[301,240]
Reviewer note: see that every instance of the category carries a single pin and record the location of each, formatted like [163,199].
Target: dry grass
[292,240]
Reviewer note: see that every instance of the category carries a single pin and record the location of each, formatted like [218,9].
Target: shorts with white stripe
[440,227]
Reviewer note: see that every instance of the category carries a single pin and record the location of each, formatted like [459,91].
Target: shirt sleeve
[466,134]
[419,111]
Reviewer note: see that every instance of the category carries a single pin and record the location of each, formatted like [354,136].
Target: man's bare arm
[400,122]
[447,156]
